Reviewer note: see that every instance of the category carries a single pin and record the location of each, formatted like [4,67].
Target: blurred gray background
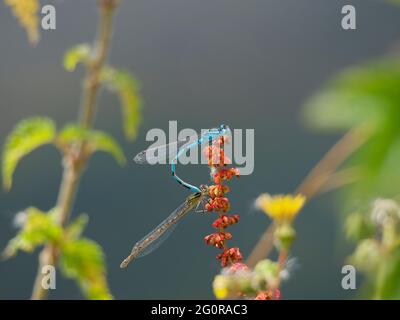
[249,64]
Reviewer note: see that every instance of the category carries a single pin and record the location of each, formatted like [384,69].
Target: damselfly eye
[223,129]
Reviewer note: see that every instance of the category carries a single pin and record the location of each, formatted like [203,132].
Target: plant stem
[315,181]
[326,167]
[101,48]
[283,254]
[263,247]
[75,163]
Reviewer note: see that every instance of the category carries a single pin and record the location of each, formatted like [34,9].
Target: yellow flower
[281,208]
[26,12]
[221,287]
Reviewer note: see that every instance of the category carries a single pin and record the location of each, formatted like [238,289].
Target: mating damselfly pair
[153,239]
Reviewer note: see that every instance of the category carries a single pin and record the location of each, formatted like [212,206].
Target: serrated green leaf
[28,135]
[75,55]
[127,90]
[83,260]
[38,229]
[95,140]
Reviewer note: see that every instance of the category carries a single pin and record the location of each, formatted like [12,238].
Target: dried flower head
[230,256]
[219,203]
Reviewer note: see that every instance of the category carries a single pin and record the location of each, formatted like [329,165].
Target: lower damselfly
[154,238]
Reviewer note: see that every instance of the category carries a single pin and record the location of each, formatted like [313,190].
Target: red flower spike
[223,221]
[219,204]
[217,191]
[217,178]
[208,207]
[230,256]
[217,161]
[217,239]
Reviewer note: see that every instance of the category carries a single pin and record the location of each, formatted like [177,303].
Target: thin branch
[341,151]
[263,247]
[318,180]
[101,48]
[75,163]
[341,178]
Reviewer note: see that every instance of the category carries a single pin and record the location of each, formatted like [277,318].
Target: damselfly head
[223,128]
[204,189]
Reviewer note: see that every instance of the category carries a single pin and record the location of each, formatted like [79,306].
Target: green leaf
[127,90]
[94,140]
[365,95]
[27,136]
[75,55]
[83,260]
[72,135]
[358,226]
[38,229]
[76,227]
[337,111]
[388,286]
[366,256]
[100,141]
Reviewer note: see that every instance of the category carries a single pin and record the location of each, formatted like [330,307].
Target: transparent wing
[159,234]
[161,154]
[158,242]
[155,238]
